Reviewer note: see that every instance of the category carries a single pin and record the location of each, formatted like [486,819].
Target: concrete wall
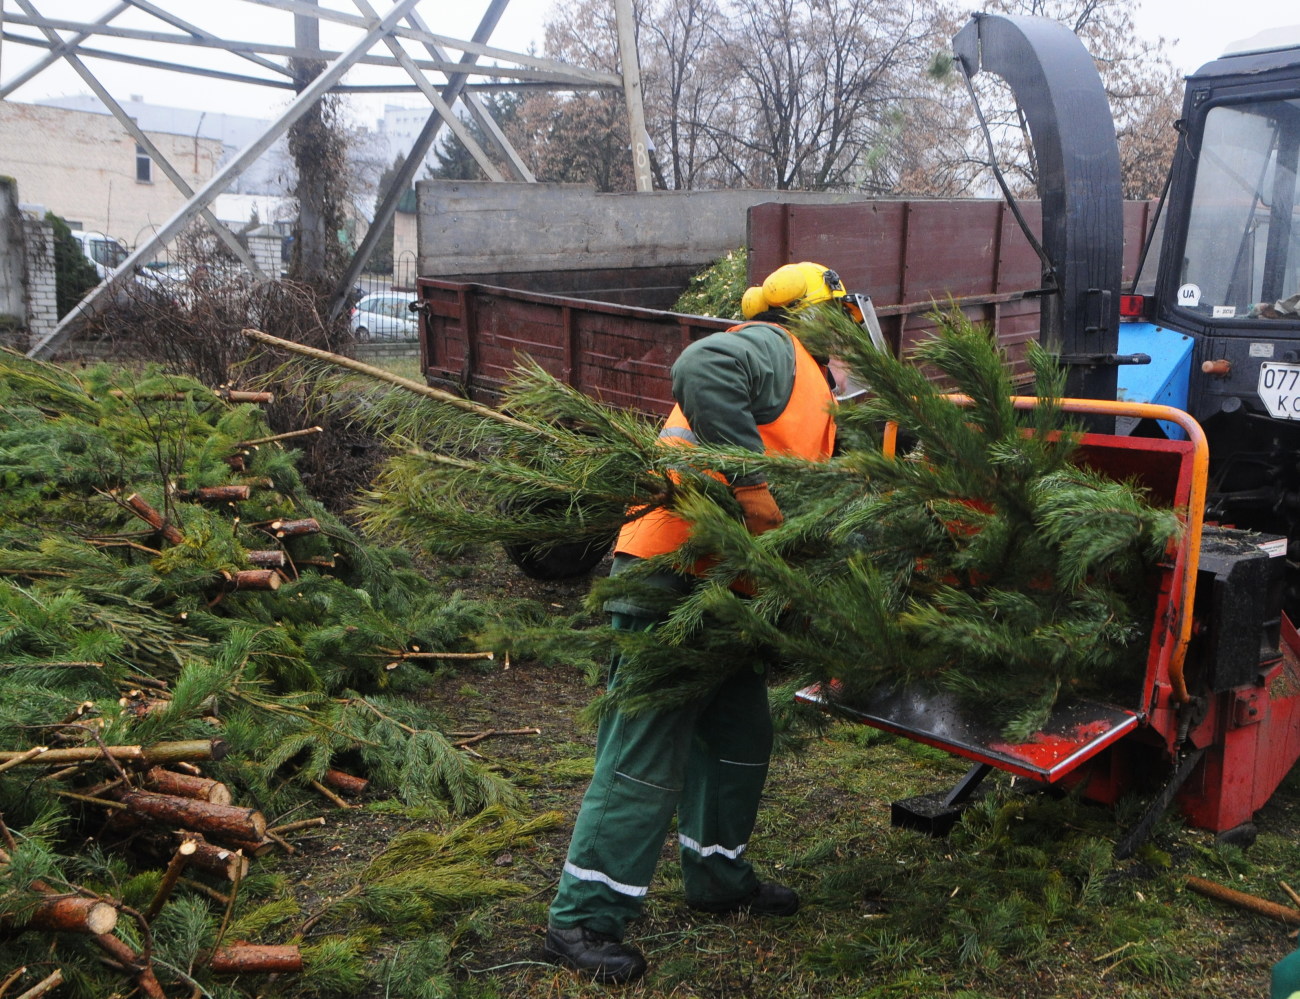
[27,299]
[82,167]
[13,305]
[638,249]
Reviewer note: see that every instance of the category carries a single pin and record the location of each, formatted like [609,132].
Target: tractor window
[1242,255]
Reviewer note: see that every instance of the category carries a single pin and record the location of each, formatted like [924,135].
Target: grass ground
[1023,900]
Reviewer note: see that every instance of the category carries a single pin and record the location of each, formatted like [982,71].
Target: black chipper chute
[1078,184]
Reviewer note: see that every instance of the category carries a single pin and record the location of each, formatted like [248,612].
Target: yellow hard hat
[797,286]
[753,302]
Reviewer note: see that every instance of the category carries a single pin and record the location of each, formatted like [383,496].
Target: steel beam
[56,53]
[203,197]
[406,172]
[479,110]
[442,108]
[167,17]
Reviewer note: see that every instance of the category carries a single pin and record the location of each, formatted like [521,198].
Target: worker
[757,387]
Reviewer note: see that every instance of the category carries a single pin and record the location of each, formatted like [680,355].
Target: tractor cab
[1219,312]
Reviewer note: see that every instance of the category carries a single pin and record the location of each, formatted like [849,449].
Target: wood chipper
[1204,353]
[1215,714]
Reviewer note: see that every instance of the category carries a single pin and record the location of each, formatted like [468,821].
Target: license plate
[1279,389]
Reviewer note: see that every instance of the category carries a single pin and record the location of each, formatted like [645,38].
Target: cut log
[345,782]
[187,786]
[328,795]
[273,559]
[237,463]
[23,757]
[173,872]
[1259,906]
[74,754]
[142,969]
[12,977]
[250,847]
[136,504]
[295,528]
[159,752]
[190,749]
[217,494]
[238,395]
[289,435]
[138,705]
[74,914]
[222,861]
[256,579]
[289,827]
[222,822]
[238,959]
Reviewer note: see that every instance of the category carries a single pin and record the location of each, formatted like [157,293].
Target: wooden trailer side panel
[912,257]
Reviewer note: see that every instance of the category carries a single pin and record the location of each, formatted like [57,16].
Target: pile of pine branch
[981,560]
[192,652]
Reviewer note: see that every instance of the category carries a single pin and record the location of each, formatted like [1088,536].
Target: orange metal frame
[1188,553]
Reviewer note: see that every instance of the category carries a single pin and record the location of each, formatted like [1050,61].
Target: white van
[105,252]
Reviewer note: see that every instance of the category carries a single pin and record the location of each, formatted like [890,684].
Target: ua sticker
[1189,296]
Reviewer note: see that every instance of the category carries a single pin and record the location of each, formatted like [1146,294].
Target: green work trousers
[706,762]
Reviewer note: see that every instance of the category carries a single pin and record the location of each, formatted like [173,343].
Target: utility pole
[312,236]
[632,94]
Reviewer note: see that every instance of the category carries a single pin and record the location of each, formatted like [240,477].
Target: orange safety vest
[805,429]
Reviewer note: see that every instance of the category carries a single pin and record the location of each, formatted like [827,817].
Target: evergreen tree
[454,160]
[981,561]
[119,631]
[74,274]
[381,259]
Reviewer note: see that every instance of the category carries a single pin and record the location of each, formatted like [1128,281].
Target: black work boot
[767,899]
[597,955]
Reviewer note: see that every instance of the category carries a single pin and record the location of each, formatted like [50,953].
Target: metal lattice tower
[395,46]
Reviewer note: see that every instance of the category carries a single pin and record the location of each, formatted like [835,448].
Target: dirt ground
[825,822]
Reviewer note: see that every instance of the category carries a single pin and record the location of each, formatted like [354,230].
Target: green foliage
[139,639]
[422,875]
[454,160]
[717,290]
[1020,874]
[983,563]
[74,274]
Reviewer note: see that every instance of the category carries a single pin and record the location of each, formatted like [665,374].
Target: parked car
[385,316]
[105,252]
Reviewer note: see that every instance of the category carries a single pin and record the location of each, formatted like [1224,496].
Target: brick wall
[38,242]
[82,167]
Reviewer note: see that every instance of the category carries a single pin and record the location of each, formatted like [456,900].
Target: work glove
[758,508]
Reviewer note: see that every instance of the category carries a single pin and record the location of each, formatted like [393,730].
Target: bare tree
[826,95]
[683,86]
[580,137]
[817,88]
[1140,81]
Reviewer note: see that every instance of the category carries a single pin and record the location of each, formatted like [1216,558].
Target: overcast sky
[1202,30]
[1196,37]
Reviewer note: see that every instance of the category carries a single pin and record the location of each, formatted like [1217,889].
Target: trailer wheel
[565,561]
